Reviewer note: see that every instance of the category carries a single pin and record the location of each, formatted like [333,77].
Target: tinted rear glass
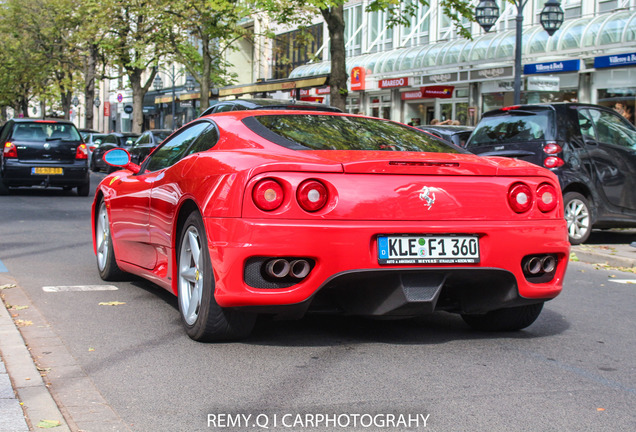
[513,127]
[43,131]
[325,132]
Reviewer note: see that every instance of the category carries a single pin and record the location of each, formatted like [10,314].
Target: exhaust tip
[534,265]
[299,268]
[277,268]
[548,264]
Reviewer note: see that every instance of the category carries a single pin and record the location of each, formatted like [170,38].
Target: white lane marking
[623,281]
[79,288]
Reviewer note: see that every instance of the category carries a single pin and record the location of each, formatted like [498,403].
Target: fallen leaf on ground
[573,257]
[91,349]
[16,307]
[600,409]
[112,303]
[48,424]
[23,323]
[6,286]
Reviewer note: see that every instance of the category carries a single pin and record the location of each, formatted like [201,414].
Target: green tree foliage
[206,30]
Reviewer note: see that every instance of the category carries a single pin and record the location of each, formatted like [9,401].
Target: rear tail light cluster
[552,149]
[81,152]
[311,195]
[10,150]
[521,198]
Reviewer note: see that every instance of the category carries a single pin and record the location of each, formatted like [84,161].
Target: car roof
[41,120]
[263,103]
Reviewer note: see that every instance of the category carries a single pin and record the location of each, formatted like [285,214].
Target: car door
[612,151]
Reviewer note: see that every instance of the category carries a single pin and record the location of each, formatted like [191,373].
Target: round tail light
[553,162]
[520,198]
[312,195]
[546,197]
[552,148]
[268,195]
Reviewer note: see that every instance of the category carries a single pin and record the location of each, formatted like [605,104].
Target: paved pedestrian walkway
[11,414]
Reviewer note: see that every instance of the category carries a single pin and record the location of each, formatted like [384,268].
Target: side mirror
[120,158]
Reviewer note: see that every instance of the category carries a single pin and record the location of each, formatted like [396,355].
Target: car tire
[203,318]
[84,189]
[106,263]
[578,217]
[508,319]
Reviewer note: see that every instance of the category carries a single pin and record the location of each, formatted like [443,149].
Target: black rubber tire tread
[111,271]
[508,319]
[213,323]
[569,196]
[84,189]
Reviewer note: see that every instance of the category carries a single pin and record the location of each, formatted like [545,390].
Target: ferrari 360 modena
[283,212]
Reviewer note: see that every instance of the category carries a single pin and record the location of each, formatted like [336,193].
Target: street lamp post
[173,75]
[551,17]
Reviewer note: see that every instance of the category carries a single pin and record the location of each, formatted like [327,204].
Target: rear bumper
[347,275]
[16,173]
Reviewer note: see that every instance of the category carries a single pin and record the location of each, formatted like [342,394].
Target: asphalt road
[131,365]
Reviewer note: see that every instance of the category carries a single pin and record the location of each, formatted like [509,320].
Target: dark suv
[592,149]
[43,152]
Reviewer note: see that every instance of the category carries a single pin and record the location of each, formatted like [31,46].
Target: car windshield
[160,136]
[326,132]
[45,131]
[512,127]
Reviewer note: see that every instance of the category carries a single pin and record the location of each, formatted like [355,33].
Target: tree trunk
[334,17]
[204,99]
[138,100]
[89,86]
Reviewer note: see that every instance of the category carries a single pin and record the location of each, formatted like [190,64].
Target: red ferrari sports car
[280,212]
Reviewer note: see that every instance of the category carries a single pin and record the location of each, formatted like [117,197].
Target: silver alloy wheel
[577,216]
[102,236]
[190,275]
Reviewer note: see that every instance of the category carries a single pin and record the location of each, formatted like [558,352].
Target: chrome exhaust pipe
[299,268]
[277,268]
[534,265]
[548,264]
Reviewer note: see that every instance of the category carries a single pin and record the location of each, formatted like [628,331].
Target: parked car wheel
[106,264]
[577,215]
[508,319]
[84,189]
[203,318]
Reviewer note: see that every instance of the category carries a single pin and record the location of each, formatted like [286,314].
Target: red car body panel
[370,193]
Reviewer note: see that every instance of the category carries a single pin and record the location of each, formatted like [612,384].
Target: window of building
[295,48]
[353,30]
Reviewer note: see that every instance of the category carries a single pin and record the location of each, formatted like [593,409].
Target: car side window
[145,138]
[224,108]
[174,150]
[614,129]
[586,125]
[206,141]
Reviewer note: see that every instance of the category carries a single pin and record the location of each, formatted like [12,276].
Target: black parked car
[147,143]
[43,152]
[458,135]
[108,142]
[249,104]
[592,149]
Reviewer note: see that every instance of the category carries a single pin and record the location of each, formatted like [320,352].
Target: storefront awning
[615,31]
[275,85]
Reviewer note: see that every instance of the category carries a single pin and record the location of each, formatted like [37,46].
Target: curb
[37,402]
[592,255]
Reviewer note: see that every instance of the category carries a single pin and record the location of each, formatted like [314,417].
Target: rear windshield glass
[43,131]
[512,127]
[325,132]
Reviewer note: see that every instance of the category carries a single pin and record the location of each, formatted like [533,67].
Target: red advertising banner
[437,91]
[358,78]
[323,90]
[393,82]
[106,109]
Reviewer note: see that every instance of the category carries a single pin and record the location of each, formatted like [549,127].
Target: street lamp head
[157,83]
[486,14]
[551,17]
[189,85]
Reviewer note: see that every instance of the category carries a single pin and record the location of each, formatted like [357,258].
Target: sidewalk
[23,394]
[25,400]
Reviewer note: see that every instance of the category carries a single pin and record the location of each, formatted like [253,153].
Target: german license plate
[428,249]
[47,171]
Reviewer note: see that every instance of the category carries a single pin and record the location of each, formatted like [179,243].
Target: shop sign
[615,60]
[323,90]
[440,78]
[441,91]
[499,86]
[409,95]
[185,104]
[552,67]
[358,78]
[539,83]
[303,92]
[492,73]
[393,82]
[106,109]
[317,99]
